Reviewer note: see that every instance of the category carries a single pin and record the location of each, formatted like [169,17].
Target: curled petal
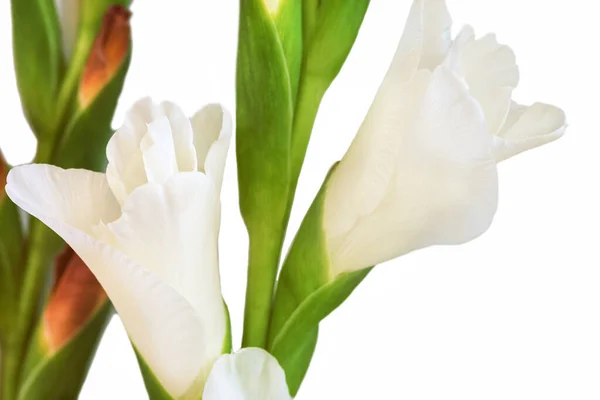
[158,151]
[77,197]
[126,169]
[425,41]
[249,374]
[212,133]
[491,72]
[528,127]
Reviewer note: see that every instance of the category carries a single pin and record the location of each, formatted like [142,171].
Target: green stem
[71,80]
[9,371]
[263,262]
[265,251]
[43,246]
[44,151]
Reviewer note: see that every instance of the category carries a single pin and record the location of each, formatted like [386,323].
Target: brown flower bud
[107,54]
[75,297]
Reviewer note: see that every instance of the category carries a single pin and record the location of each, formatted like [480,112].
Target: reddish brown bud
[75,297]
[108,52]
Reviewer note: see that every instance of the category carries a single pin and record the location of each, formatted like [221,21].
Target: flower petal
[491,72]
[146,111]
[77,197]
[126,164]
[158,151]
[183,136]
[425,41]
[249,374]
[163,326]
[372,157]
[172,230]
[364,175]
[528,127]
[161,323]
[440,183]
[212,132]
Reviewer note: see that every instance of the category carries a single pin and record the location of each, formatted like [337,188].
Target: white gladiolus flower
[422,168]
[249,374]
[148,230]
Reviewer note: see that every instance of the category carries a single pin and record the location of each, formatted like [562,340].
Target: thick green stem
[263,264]
[265,250]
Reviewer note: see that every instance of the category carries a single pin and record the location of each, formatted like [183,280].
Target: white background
[514,314]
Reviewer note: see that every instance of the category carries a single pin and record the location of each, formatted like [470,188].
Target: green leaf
[60,375]
[38,60]
[306,294]
[264,122]
[86,137]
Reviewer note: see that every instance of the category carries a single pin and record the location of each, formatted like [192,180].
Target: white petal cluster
[148,229]
[422,168]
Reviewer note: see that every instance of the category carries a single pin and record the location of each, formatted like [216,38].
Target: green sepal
[228,342]
[61,374]
[288,22]
[330,28]
[294,345]
[264,122]
[306,294]
[38,60]
[84,143]
[264,117]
